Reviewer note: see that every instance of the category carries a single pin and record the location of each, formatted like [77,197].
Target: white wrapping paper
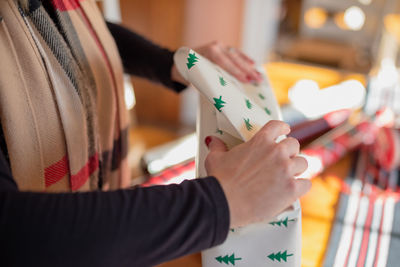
[235,112]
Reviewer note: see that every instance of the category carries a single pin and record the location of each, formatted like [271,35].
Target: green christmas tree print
[222,81]
[227,259]
[261,96]
[218,131]
[248,104]
[282,222]
[267,111]
[249,127]
[279,256]
[191,60]
[219,103]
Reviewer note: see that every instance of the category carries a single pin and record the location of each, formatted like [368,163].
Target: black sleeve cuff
[143,58]
[222,215]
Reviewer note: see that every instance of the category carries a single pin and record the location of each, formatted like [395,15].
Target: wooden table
[188,261]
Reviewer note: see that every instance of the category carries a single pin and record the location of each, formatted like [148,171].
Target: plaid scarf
[61,97]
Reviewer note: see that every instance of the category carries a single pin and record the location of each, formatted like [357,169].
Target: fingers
[231,60]
[299,165]
[272,130]
[215,144]
[227,64]
[245,57]
[243,64]
[291,146]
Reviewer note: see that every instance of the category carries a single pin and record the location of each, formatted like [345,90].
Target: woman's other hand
[258,176]
[230,59]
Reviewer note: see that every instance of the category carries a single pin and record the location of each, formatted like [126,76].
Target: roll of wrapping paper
[331,147]
[307,131]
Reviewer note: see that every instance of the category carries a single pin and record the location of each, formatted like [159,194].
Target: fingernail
[259,76]
[248,78]
[207,140]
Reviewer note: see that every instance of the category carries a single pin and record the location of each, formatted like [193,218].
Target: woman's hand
[230,59]
[258,176]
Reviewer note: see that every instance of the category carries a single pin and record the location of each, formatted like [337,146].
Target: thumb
[215,144]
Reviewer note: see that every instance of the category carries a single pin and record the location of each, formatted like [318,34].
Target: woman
[64,128]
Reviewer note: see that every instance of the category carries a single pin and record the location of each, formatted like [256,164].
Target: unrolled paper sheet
[235,112]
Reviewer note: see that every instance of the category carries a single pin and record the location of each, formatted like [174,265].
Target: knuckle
[215,45]
[283,125]
[281,149]
[236,57]
[273,123]
[263,136]
[217,57]
[264,133]
[291,187]
[294,141]
[262,143]
[286,168]
[279,123]
[294,144]
[209,161]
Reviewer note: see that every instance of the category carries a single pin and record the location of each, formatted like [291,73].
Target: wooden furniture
[172,24]
[159,21]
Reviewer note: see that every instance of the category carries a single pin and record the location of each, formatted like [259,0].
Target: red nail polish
[207,140]
[259,79]
[248,78]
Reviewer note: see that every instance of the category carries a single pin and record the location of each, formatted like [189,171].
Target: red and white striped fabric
[367,227]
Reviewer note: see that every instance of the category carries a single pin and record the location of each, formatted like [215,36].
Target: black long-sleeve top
[135,227]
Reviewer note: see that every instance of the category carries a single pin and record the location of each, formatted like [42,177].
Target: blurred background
[322,40]
[322,57]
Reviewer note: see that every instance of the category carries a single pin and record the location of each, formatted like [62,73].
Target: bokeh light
[354,18]
[315,17]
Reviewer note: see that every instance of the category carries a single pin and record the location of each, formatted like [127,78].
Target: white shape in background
[112,13]
[306,97]
[315,166]
[301,96]
[260,27]
[354,18]
[365,2]
[189,103]
[130,99]
[388,74]
[170,154]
